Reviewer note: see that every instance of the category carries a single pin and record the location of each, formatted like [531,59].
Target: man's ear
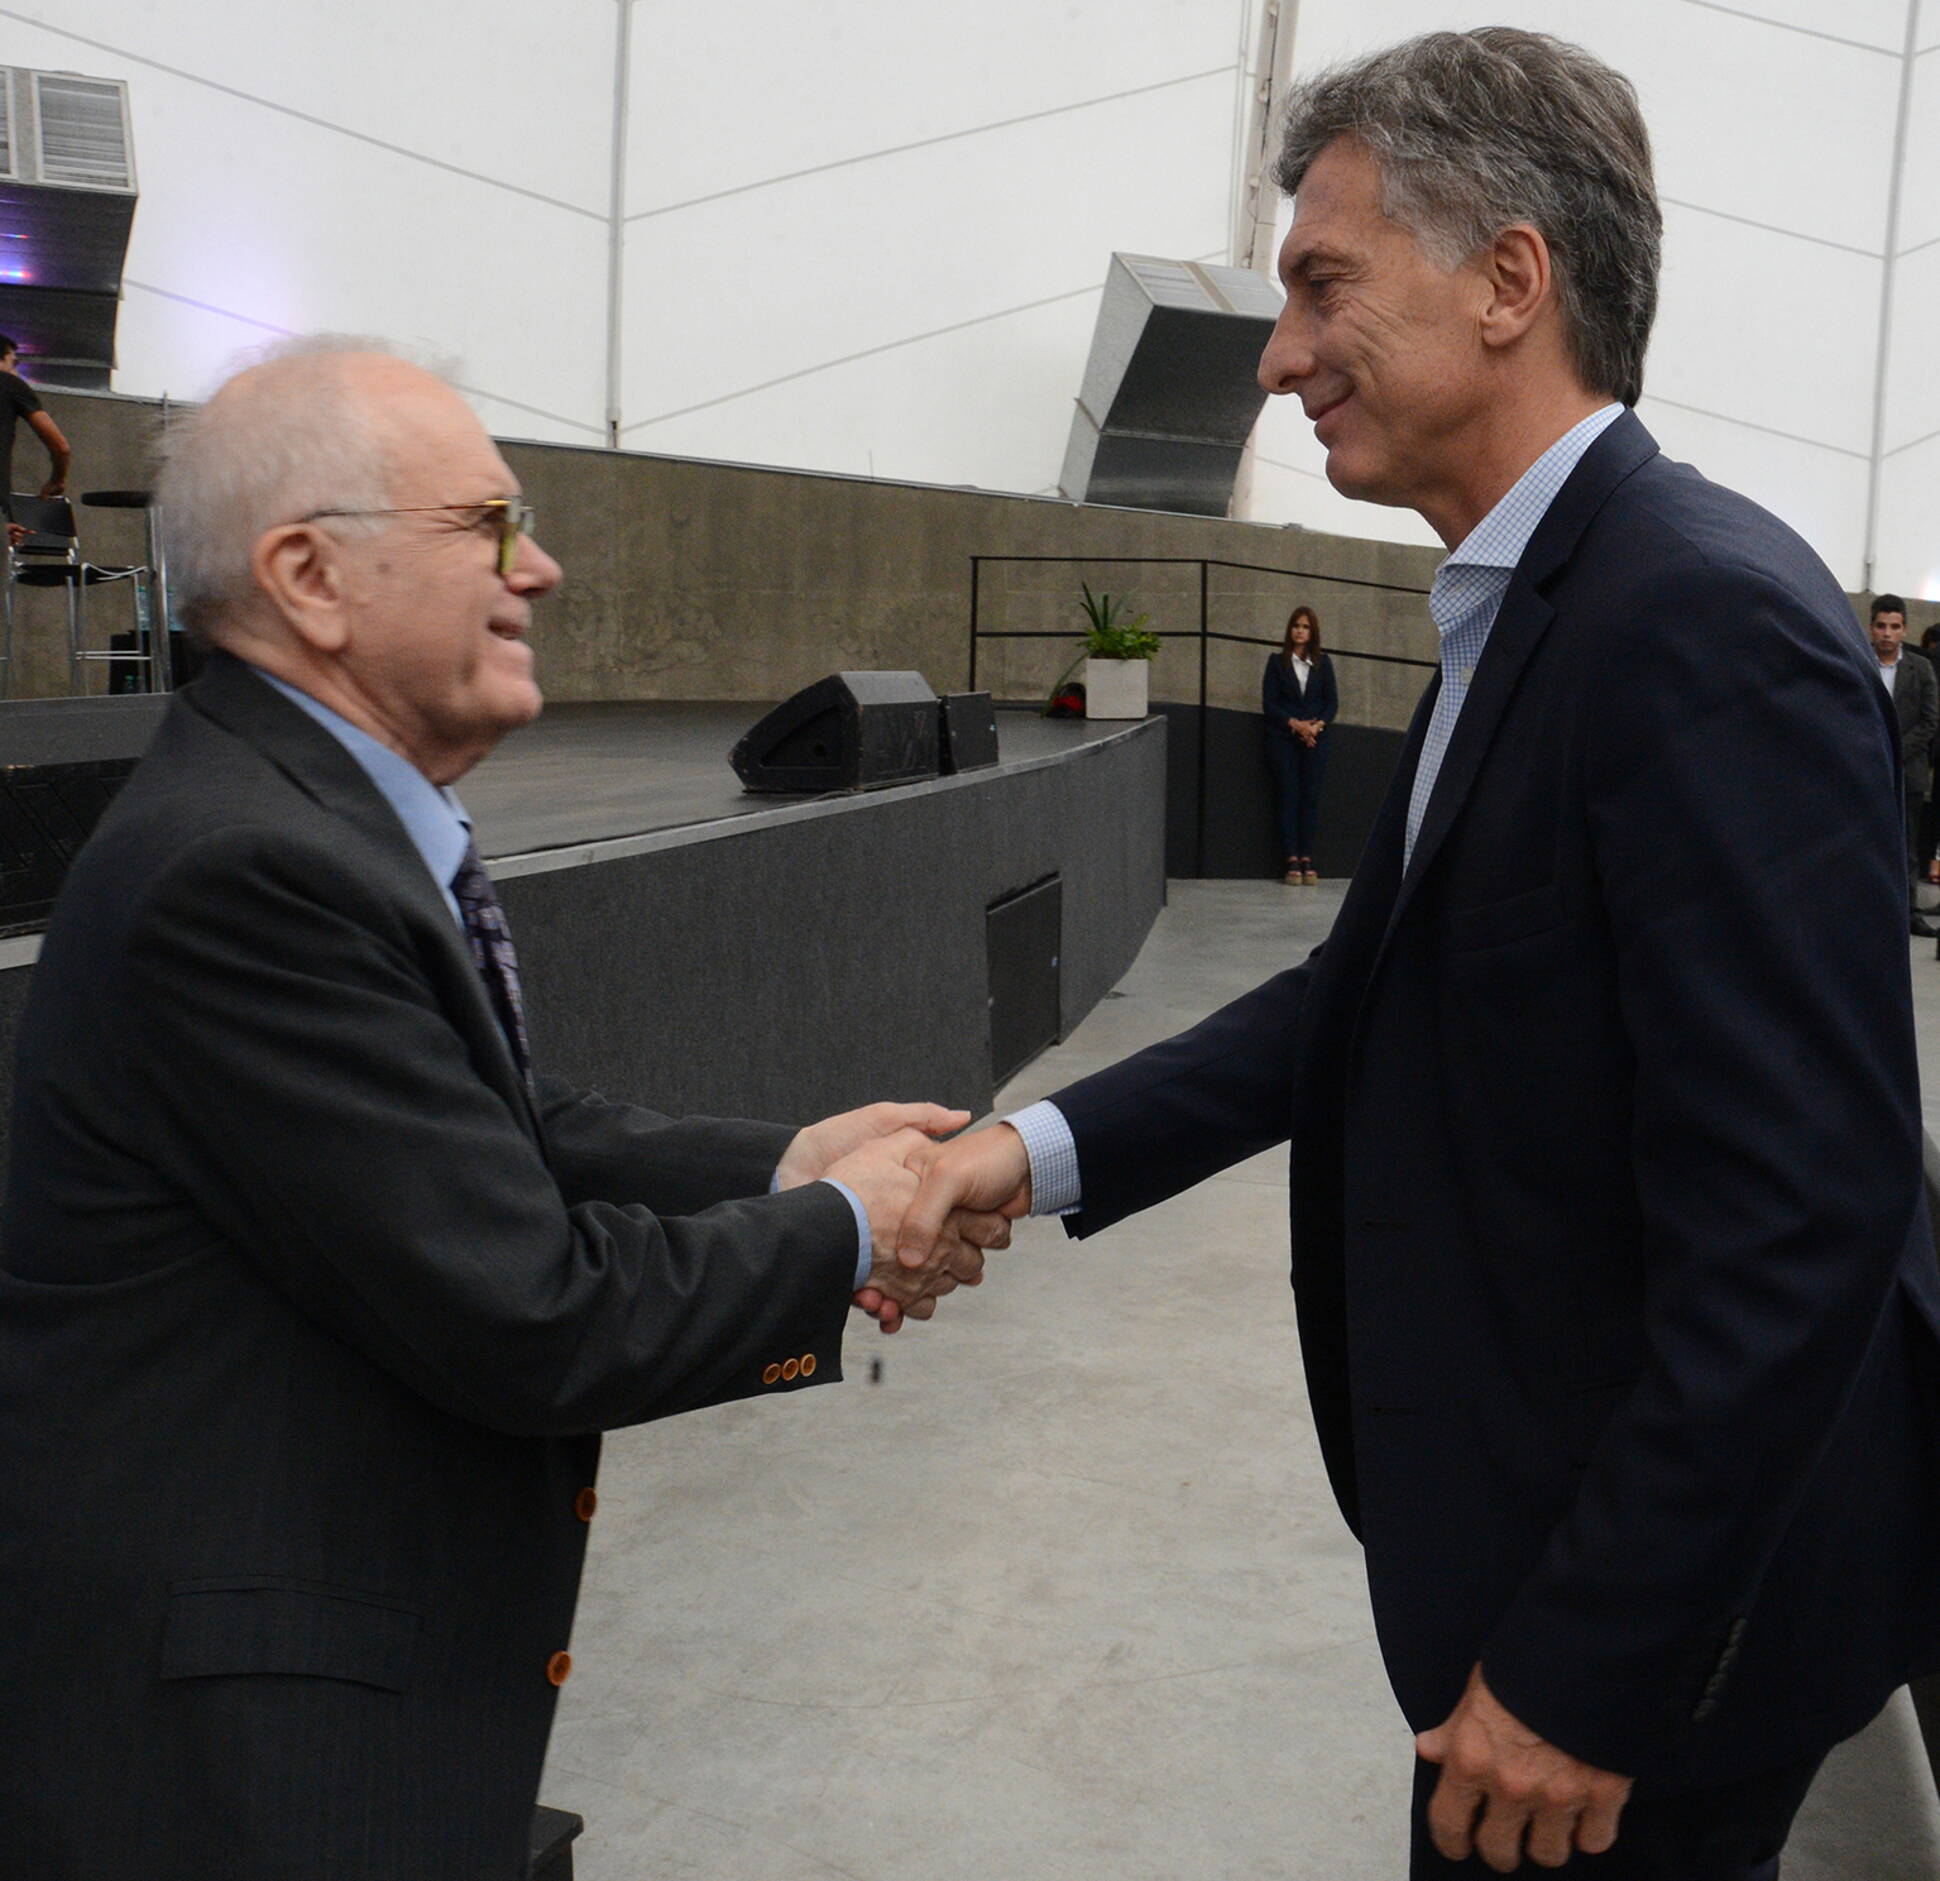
[299,568]
[1521,284]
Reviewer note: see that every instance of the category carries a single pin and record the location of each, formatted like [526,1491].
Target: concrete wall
[697,580]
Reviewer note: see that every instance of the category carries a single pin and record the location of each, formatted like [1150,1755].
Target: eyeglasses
[508,517]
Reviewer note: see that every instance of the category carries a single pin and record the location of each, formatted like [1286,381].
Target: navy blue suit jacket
[1282,696]
[1615,1289]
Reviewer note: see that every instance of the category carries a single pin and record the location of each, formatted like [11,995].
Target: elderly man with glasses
[316,1291]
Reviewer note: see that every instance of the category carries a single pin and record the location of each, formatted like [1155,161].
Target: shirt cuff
[1053,1151]
[865,1244]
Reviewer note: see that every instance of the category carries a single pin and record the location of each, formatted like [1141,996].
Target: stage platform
[582,774]
[690,946]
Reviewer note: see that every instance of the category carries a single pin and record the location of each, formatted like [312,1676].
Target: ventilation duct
[1170,394]
[67,203]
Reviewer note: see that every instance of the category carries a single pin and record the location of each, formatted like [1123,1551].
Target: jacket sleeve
[1919,742]
[1183,1110]
[1276,695]
[325,1111]
[602,1151]
[1327,695]
[1775,1139]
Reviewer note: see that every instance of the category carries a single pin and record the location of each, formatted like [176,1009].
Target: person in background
[19,400]
[1915,687]
[1299,698]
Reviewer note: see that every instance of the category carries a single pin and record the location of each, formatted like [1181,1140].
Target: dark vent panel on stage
[1024,936]
[850,731]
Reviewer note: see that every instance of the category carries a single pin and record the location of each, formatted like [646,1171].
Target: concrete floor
[1060,1595]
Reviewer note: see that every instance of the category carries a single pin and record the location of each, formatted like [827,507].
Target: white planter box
[1117,688]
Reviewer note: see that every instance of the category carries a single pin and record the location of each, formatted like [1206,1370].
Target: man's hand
[818,1148]
[54,486]
[987,1172]
[1522,1786]
[880,1173]
[16,534]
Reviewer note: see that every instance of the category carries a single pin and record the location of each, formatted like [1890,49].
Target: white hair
[288,434]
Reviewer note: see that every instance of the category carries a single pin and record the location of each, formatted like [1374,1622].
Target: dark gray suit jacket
[308,1321]
[1916,697]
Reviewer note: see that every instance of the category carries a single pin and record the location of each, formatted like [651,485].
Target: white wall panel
[1920,193]
[732,296]
[901,413]
[507,90]
[1764,328]
[253,223]
[726,96]
[1821,493]
[1913,374]
[1872,22]
[1909,523]
[1745,118]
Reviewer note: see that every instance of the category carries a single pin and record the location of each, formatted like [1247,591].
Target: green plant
[1112,637]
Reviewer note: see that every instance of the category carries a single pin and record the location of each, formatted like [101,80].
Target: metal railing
[1205,633]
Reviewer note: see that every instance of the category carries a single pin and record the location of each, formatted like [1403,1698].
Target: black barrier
[1193,850]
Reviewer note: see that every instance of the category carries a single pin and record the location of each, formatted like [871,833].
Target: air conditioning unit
[1170,391]
[67,204]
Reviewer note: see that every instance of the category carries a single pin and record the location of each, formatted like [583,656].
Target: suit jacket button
[808,1364]
[772,1375]
[585,1503]
[791,1370]
[559,1668]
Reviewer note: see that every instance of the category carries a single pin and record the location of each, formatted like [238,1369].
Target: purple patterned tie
[491,944]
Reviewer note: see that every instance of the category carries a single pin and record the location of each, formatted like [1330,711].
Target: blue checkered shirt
[1463,602]
[1468,590]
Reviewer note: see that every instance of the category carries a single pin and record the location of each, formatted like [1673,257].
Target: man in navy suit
[1616,1296]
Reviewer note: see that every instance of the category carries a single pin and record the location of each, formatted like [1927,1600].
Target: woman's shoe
[1292,876]
[1308,879]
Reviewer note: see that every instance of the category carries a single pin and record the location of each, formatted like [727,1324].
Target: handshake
[934,1208]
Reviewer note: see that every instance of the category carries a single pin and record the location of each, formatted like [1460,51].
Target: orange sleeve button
[559,1668]
[808,1364]
[585,1503]
[772,1375]
[791,1368]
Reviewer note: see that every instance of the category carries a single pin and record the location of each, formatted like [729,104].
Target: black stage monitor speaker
[969,731]
[850,731]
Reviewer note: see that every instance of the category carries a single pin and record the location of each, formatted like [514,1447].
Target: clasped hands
[934,1209]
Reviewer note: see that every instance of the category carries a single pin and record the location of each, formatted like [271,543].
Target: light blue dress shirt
[1463,602]
[441,832]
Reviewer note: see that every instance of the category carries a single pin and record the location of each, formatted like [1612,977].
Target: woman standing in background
[1299,699]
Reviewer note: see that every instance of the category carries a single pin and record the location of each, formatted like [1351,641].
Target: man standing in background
[19,400]
[1915,687]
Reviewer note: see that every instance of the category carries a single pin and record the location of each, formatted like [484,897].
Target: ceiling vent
[83,132]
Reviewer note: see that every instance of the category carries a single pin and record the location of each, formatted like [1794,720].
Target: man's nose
[534,571]
[1288,359]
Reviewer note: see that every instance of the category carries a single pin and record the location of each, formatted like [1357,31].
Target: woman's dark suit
[1297,766]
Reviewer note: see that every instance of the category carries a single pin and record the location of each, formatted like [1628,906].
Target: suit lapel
[1520,624]
[287,737]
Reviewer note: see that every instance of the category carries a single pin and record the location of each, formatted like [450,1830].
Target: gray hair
[288,434]
[1476,131]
